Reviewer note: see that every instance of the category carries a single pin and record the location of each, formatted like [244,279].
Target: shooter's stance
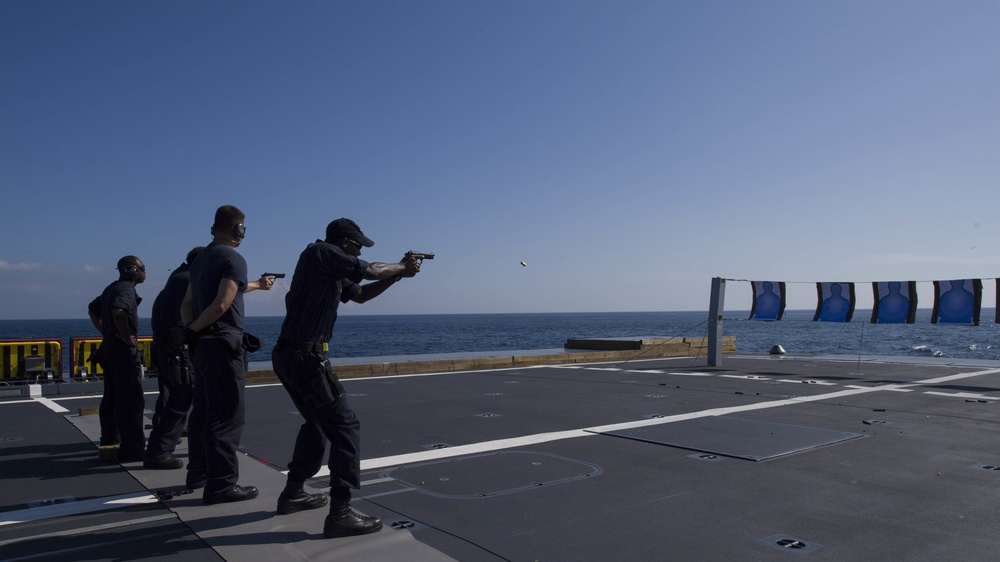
[328,273]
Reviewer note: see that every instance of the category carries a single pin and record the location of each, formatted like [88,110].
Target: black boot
[345,522]
[166,461]
[293,498]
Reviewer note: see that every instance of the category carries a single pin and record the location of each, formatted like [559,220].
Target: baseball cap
[346,228]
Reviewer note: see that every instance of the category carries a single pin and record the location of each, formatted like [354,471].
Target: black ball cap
[346,228]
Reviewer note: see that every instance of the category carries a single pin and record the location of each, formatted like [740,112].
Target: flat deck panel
[737,437]
[519,464]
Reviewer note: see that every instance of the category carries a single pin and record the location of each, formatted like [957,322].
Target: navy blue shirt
[324,277]
[119,294]
[215,263]
[167,306]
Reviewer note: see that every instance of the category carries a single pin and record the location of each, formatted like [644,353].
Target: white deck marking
[882,387]
[51,405]
[76,508]
[746,377]
[972,395]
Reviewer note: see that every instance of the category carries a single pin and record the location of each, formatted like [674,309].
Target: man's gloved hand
[190,336]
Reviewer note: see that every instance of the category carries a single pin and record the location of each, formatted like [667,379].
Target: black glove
[190,336]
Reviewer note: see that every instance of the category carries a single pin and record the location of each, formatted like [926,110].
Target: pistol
[275,275]
[420,255]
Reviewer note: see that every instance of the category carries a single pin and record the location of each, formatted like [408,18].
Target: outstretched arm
[264,284]
[385,275]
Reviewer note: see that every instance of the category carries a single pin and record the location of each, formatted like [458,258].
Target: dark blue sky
[628,152]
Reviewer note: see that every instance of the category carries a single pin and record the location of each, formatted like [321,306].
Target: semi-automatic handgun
[420,255]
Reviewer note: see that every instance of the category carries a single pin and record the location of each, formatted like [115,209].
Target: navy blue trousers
[217,415]
[334,420]
[122,406]
[172,405]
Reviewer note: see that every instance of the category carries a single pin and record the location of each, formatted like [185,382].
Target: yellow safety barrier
[83,353]
[30,359]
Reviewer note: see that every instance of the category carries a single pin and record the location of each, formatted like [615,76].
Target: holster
[316,381]
[251,343]
[178,368]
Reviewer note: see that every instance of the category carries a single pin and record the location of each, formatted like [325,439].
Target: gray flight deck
[760,458]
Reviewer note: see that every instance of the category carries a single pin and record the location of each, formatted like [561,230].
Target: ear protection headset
[130,272]
[238,233]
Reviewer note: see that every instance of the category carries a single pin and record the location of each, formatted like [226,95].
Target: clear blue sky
[627,151]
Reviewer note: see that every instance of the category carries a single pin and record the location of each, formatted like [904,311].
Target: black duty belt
[303,346]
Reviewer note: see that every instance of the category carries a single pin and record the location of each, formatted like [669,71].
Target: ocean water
[373,336]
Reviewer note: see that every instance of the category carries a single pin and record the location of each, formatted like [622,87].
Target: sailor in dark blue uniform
[328,273]
[213,313]
[115,315]
[173,365]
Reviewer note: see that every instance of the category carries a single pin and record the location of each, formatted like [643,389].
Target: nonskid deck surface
[761,458]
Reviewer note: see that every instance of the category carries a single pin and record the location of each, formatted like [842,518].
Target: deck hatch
[736,437]
[491,474]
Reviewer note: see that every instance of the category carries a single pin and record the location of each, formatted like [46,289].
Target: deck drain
[706,457]
[356,394]
[51,501]
[488,415]
[654,416]
[876,422]
[790,544]
[495,394]
[437,446]
[403,524]
[987,467]
[9,439]
[654,396]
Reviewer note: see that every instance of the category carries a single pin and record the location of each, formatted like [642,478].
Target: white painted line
[377,481]
[878,387]
[747,377]
[972,395]
[82,397]
[884,387]
[75,508]
[692,374]
[471,449]
[91,530]
[50,405]
[808,381]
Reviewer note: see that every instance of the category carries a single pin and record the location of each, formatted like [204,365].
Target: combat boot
[345,522]
[299,500]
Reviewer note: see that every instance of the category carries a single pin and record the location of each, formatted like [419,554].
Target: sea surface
[383,335]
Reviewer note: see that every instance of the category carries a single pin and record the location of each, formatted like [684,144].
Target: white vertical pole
[715,309]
